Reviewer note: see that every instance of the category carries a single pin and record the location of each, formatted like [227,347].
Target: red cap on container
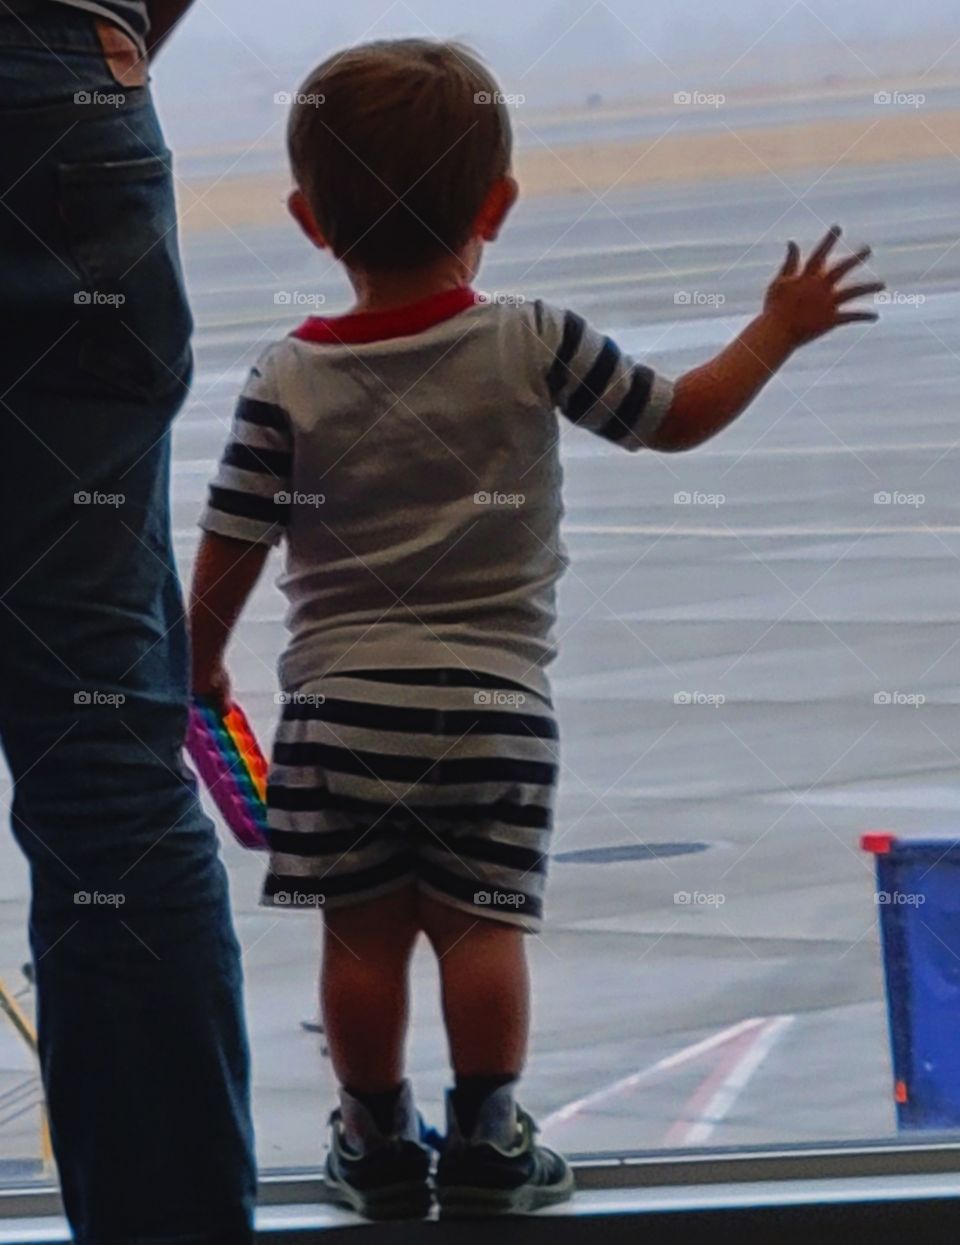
[878,842]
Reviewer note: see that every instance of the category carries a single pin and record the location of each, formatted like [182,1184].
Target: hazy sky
[218,78]
[282,26]
[283,23]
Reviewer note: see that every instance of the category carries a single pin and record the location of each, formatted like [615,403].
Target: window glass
[757,639]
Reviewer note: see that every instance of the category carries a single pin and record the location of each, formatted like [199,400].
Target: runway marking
[189,534]
[206,466]
[726,532]
[744,1028]
[563,285]
[713,1099]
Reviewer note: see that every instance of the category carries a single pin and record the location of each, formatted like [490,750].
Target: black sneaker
[499,1169]
[378,1175]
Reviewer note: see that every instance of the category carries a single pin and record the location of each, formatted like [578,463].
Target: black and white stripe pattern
[425,531]
[595,385]
[445,777]
[249,498]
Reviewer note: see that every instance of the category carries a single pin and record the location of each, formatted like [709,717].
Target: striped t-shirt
[410,463]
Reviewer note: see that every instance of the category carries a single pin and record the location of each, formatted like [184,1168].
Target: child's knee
[447,927]
[386,926]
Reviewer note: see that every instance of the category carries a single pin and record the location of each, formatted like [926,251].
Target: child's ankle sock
[381,1105]
[469,1095]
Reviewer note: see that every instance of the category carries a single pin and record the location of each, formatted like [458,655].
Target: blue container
[918,895]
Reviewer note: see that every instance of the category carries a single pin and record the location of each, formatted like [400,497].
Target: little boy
[407,455]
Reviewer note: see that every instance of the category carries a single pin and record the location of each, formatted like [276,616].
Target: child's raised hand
[808,301]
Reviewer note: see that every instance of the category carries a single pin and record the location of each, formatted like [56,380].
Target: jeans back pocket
[135,323]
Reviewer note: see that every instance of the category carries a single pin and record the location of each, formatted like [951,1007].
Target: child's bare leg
[364,989]
[491,1161]
[486,990]
[377,1163]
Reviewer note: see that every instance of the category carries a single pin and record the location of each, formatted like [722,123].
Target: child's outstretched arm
[224,576]
[802,303]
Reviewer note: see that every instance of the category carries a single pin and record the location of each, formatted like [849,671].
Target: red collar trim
[374,326]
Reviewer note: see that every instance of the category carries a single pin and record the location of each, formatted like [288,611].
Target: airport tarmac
[709,973]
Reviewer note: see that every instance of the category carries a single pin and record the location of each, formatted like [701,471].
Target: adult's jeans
[142,1041]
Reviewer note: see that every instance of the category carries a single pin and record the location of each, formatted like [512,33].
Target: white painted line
[720,1102]
[201,417]
[722,1064]
[830,448]
[722,533]
[726,532]
[667,1064]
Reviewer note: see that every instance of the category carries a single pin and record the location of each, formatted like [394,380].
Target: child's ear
[302,213]
[496,207]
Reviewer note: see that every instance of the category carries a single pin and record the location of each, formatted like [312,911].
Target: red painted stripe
[725,1061]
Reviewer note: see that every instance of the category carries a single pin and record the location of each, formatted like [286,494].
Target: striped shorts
[444,778]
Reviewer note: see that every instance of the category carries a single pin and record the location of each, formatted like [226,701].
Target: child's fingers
[823,248]
[792,262]
[856,317]
[858,291]
[839,271]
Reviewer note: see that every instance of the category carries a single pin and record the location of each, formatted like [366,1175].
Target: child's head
[401,155]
